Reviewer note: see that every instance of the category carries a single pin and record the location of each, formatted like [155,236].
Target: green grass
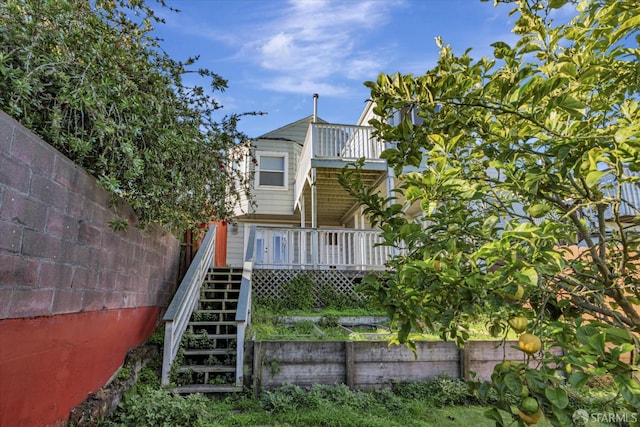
[265,326]
[406,413]
[319,405]
[438,402]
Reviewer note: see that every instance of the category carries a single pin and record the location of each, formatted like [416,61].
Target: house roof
[295,131]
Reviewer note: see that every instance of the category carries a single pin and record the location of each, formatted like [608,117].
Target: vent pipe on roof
[315,107]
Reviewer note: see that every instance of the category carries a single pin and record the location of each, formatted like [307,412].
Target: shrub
[148,406]
[438,392]
[284,399]
[91,79]
[297,294]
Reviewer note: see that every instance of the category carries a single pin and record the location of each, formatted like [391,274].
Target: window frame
[258,169]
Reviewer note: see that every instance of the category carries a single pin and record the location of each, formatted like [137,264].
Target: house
[304,218]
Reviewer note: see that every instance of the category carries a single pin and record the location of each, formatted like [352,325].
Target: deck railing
[344,141]
[330,141]
[339,248]
[184,301]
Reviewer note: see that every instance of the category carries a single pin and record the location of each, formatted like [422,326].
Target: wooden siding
[276,201]
[243,166]
[367,114]
[235,245]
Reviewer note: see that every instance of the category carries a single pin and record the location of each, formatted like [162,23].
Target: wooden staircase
[206,361]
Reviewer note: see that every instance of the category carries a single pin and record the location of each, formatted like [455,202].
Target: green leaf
[626,348]
[556,4]
[623,134]
[535,381]
[513,382]
[494,415]
[539,210]
[617,336]
[593,178]
[572,106]
[557,396]
[578,379]
[488,224]
[629,389]
[531,274]
[597,343]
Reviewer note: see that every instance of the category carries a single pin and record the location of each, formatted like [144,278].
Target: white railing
[330,141]
[184,301]
[304,165]
[339,248]
[243,313]
[345,142]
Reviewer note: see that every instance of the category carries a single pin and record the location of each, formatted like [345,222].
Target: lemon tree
[521,165]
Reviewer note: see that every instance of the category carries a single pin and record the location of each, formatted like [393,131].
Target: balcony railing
[342,141]
[279,247]
[328,141]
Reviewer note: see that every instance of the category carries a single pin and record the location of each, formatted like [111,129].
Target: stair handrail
[243,312]
[184,301]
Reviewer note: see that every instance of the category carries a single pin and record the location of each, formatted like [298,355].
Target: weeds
[435,402]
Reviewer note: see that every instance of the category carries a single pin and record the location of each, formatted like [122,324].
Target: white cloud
[294,45]
[300,85]
[313,42]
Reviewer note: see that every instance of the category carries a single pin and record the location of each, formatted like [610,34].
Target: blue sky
[276,54]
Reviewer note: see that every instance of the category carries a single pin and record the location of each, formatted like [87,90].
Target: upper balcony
[327,149]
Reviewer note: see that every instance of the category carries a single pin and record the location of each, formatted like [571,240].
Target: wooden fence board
[304,351]
[389,372]
[371,364]
[370,351]
[303,374]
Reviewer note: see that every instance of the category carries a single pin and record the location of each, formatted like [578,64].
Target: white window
[271,169]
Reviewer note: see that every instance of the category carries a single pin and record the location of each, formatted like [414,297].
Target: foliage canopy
[92,80]
[522,166]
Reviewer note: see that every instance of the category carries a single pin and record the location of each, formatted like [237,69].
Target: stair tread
[215,311]
[207,388]
[206,368]
[231,293]
[208,352]
[218,336]
[218,299]
[212,322]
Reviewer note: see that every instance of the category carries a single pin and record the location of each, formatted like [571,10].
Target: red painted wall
[49,364]
[220,252]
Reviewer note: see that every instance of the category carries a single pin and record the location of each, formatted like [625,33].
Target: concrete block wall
[75,296]
[57,251]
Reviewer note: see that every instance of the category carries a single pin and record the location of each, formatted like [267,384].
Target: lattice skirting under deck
[267,284]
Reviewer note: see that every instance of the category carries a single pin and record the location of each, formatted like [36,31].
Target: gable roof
[295,131]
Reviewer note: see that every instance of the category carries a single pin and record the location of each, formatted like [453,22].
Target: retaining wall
[75,295]
[367,365]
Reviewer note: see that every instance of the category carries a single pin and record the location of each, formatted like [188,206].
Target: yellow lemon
[516,296]
[518,323]
[529,343]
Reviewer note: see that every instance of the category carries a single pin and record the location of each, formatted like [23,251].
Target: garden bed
[350,325]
